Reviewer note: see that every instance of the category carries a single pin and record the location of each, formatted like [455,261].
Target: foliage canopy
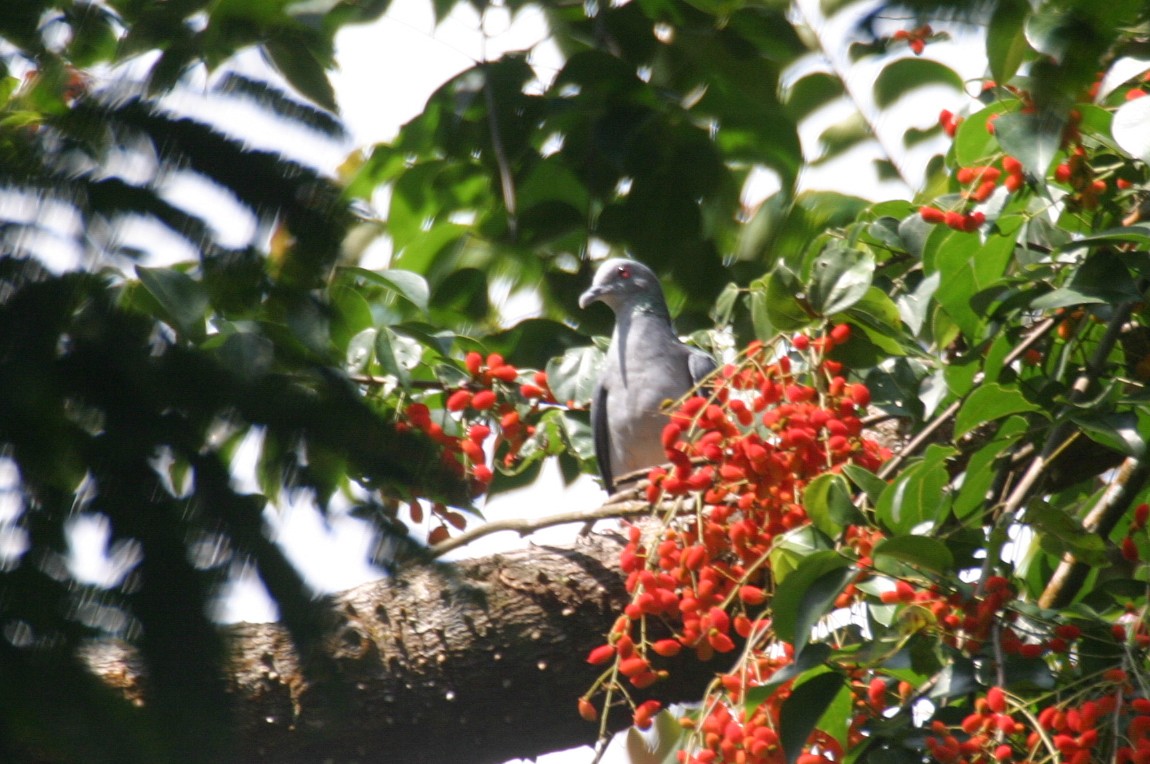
[999,317]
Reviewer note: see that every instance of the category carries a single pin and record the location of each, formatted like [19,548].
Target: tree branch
[491,649]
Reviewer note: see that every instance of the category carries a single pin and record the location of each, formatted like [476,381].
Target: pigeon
[646,367]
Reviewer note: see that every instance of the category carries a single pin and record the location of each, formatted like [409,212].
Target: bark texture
[473,662]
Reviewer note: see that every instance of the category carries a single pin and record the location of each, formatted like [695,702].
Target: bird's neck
[652,313]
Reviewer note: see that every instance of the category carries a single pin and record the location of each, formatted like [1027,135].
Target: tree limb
[478,661]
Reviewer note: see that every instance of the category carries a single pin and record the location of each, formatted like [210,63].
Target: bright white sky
[387,71]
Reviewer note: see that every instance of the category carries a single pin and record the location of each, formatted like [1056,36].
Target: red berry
[931,214]
[458,400]
[996,700]
[504,373]
[483,400]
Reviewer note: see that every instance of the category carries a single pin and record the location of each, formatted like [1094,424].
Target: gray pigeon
[646,366]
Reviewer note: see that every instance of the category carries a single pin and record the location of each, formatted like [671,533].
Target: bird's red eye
[623,271]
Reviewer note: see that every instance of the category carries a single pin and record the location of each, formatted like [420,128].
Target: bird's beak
[590,296]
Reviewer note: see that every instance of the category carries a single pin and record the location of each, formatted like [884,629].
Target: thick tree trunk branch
[478,661]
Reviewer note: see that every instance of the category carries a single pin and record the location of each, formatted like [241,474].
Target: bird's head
[620,282]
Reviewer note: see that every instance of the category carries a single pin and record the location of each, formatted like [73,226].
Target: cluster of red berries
[949,121]
[968,222]
[728,732]
[1128,545]
[1077,734]
[488,405]
[915,38]
[745,451]
[979,182]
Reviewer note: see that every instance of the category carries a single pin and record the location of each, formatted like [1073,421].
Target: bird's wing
[601,435]
[700,364]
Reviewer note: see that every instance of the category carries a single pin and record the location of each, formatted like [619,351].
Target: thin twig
[525,527]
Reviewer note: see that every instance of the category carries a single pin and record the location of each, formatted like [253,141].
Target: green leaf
[573,375]
[973,143]
[298,64]
[396,355]
[1103,278]
[988,402]
[1059,533]
[966,269]
[840,276]
[811,93]
[534,342]
[803,710]
[955,680]
[907,74]
[842,136]
[813,656]
[360,351]
[807,594]
[918,494]
[827,500]
[778,292]
[184,300]
[410,286]
[871,484]
[1006,45]
[919,552]
[980,471]
[1118,431]
[1138,233]
[1032,138]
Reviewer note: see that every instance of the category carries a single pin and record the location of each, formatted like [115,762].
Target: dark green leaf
[973,143]
[183,299]
[1103,278]
[807,594]
[1118,431]
[410,286]
[813,656]
[871,484]
[843,136]
[1006,44]
[840,276]
[955,680]
[981,469]
[534,342]
[779,292]
[802,711]
[1032,138]
[299,65]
